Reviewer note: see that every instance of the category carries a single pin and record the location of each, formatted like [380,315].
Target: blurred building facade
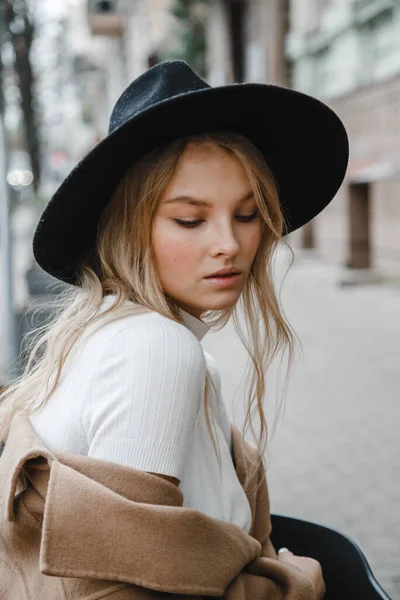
[347,53]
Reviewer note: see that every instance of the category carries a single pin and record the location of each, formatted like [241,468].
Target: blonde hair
[122,263]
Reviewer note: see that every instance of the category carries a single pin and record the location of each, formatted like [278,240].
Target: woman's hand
[310,567]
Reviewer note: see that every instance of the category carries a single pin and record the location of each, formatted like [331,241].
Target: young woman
[167,229]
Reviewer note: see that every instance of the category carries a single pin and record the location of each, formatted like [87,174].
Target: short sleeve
[145,396]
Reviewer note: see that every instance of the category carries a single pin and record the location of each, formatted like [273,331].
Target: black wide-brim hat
[303,141]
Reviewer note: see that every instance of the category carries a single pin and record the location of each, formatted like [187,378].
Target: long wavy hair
[122,263]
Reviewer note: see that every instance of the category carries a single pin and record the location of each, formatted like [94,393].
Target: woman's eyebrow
[198,202]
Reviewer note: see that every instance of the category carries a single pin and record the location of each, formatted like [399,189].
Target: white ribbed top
[132,393]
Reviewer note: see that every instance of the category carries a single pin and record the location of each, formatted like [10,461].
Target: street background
[334,458]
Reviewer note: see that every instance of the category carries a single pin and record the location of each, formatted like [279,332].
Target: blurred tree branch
[20,28]
[191,15]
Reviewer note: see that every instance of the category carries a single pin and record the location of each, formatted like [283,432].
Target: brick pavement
[335,458]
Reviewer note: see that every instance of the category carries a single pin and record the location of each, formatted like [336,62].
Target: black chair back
[346,571]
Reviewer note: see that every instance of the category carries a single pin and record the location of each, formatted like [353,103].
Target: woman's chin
[221,303]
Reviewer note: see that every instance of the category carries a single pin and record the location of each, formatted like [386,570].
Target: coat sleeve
[282,581]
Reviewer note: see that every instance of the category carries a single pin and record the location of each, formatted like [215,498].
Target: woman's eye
[187,223]
[247,218]
[241,218]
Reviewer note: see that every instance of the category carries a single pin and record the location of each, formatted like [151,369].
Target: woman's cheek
[175,251]
[253,240]
[165,241]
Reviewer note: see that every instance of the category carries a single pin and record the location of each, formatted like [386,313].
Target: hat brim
[303,141]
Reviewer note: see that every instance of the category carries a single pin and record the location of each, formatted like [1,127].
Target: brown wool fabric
[84,529]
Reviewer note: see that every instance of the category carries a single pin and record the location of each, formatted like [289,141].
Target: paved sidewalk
[335,458]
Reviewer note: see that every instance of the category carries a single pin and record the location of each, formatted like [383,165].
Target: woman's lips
[224,280]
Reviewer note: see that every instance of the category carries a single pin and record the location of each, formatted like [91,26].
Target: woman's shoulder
[143,329]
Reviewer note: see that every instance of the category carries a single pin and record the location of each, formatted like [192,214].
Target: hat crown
[161,82]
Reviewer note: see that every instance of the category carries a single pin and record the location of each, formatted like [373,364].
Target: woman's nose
[226,241]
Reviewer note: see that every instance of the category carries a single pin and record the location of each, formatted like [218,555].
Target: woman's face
[211,188]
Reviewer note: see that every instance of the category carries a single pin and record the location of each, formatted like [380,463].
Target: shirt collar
[198,327]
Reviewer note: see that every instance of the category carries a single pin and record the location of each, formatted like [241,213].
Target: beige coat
[86,528]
